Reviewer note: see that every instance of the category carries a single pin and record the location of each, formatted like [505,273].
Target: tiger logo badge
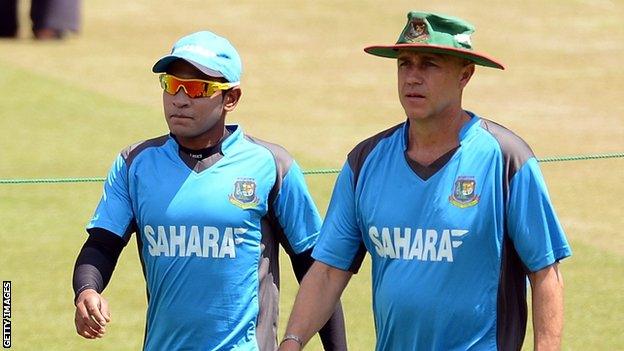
[416,32]
[464,192]
[244,194]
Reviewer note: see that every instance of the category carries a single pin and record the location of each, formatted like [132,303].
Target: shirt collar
[236,133]
[468,128]
[465,131]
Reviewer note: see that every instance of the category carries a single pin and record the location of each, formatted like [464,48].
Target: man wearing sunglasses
[452,209]
[210,207]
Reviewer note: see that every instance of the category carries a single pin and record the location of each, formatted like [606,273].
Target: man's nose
[180,98]
[414,76]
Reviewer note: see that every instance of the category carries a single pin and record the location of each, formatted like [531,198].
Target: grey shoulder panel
[283,159]
[360,152]
[515,150]
[132,151]
[511,296]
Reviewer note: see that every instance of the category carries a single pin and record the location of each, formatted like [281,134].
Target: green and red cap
[438,34]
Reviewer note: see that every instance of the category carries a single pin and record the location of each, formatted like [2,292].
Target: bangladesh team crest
[244,194]
[416,32]
[464,194]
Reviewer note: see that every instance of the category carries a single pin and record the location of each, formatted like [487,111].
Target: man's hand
[92,314]
[316,300]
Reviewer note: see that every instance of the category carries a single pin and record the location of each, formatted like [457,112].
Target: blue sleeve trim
[331,259]
[109,226]
[550,259]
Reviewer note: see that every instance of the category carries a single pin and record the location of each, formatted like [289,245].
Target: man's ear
[465,74]
[231,98]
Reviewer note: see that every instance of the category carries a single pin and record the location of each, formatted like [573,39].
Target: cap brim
[161,66]
[392,51]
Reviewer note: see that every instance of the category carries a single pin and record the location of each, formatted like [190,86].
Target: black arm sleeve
[96,261]
[333,334]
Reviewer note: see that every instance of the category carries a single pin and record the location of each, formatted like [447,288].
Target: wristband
[294,338]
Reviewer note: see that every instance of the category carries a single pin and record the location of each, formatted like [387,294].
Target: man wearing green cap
[210,206]
[452,209]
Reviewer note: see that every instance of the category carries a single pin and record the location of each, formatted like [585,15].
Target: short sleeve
[533,226]
[341,238]
[114,212]
[296,212]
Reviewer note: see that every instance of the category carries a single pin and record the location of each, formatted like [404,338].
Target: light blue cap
[210,53]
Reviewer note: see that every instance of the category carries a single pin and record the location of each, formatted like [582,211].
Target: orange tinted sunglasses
[194,88]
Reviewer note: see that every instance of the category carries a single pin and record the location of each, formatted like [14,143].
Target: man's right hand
[92,314]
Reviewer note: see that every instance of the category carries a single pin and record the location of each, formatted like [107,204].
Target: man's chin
[180,130]
[181,133]
[416,114]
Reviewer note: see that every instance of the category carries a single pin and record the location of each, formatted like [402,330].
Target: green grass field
[67,108]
